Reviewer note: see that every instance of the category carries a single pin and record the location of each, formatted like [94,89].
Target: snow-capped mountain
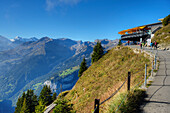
[20,40]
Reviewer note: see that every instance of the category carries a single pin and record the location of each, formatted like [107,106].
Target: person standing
[128,42]
[140,45]
[151,44]
[155,45]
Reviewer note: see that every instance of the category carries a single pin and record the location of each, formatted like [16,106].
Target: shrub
[62,106]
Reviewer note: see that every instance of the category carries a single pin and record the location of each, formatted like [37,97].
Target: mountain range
[30,63]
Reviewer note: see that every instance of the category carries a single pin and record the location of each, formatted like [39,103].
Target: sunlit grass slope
[162,36]
[102,78]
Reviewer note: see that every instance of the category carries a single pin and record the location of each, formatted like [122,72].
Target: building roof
[132,30]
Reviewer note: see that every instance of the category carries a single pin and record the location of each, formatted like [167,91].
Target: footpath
[158,99]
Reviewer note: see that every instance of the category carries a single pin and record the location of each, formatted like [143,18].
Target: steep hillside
[162,36]
[105,76]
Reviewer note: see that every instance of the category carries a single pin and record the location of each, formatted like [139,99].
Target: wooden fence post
[96,105]
[128,82]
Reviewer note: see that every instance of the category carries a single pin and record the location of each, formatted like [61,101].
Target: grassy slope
[162,36]
[105,76]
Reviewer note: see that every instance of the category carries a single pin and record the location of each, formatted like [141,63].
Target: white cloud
[54,3]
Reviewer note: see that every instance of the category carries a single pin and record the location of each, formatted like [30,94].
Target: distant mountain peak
[46,39]
[12,40]
[33,38]
[18,38]
[63,38]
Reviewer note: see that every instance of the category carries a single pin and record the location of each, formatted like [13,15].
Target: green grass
[9,91]
[101,79]
[149,84]
[35,87]
[155,70]
[69,71]
[10,85]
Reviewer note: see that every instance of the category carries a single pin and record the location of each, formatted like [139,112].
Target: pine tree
[20,103]
[54,96]
[45,95]
[97,52]
[120,43]
[24,108]
[83,67]
[40,107]
[62,106]
[30,100]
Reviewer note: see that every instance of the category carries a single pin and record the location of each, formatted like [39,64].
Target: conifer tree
[24,108]
[97,52]
[54,96]
[120,43]
[20,103]
[30,101]
[40,107]
[62,106]
[45,95]
[83,67]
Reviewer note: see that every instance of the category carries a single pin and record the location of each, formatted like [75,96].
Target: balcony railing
[134,35]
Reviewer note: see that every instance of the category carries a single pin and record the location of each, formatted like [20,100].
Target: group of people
[152,45]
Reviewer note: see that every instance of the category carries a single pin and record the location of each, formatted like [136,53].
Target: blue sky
[85,20]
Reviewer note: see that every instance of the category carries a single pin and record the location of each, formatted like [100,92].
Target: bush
[62,106]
